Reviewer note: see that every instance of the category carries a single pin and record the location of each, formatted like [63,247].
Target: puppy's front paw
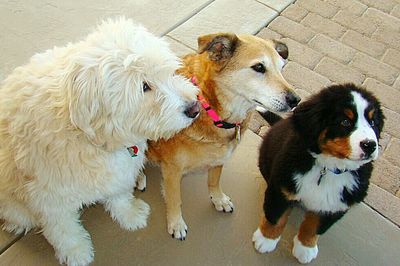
[221,202]
[141,181]
[79,254]
[302,253]
[178,229]
[264,244]
[136,216]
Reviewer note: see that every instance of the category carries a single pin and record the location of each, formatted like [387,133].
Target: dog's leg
[221,201]
[141,181]
[131,213]
[63,230]
[172,188]
[17,217]
[276,210]
[305,247]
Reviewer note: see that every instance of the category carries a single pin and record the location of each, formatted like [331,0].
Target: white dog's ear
[85,104]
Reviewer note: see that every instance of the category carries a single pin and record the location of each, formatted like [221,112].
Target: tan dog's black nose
[193,110]
[292,99]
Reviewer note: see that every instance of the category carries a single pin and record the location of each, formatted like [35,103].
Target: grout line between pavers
[178,41]
[266,24]
[8,245]
[196,11]
[381,214]
[274,8]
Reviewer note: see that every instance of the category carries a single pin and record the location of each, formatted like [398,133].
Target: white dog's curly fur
[66,119]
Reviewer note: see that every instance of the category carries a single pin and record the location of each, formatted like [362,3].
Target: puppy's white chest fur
[327,196]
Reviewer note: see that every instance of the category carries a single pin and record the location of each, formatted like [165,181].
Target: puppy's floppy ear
[85,104]
[282,49]
[309,121]
[220,46]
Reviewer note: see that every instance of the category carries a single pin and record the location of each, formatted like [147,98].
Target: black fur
[286,149]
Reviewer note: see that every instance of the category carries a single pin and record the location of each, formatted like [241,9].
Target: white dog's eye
[146,87]
[259,68]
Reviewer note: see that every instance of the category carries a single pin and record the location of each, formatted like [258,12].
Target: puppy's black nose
[368,146]
[292,99]
[192,110]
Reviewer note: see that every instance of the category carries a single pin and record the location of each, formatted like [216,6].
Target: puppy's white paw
[302,253]
[135,217]
[221,202]
[141,182]
[78,255]
[264,244]
[178,229]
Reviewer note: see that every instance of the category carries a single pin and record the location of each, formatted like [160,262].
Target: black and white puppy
[321,158]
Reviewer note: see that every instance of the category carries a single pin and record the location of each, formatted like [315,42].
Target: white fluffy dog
[66,120]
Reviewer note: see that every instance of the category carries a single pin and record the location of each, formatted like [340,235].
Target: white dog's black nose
[193,109]
[292,99]
[368,146]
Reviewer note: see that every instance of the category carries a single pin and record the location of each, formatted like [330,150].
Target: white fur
[269,90]
[363,130]
[221,201]
[326,196]
[65,121]
[302,253]
[264,244]
[177,227]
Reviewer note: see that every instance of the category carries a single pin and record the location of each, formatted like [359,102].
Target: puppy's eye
[259,68]
[345,123]
[146,87]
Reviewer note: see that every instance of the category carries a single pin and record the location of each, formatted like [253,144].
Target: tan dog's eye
[259,68]
[146,87]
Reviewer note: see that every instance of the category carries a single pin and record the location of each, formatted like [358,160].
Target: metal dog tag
[237,134]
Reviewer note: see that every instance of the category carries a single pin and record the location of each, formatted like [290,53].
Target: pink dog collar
[211,112]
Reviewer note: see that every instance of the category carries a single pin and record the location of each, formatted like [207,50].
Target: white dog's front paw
[136,216]
[141,182]
[16,229]
[264,244]
[222,202]
[178,229]
[302,253]
[80,254]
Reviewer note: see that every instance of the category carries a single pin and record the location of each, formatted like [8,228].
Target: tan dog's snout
[292,99]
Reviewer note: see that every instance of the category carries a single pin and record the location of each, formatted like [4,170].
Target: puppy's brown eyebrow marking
[371,113]
[349,113]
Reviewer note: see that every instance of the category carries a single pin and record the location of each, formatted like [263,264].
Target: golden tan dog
[235,74]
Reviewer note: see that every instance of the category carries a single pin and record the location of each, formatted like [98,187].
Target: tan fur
[203,145]
[273,231]
[308,230]
[338,147]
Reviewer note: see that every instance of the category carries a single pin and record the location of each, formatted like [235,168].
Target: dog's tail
[270,117]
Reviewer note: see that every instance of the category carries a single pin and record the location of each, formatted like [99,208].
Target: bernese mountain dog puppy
[321,159]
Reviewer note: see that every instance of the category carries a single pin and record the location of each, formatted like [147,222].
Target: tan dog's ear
[282,49]
[220,46]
